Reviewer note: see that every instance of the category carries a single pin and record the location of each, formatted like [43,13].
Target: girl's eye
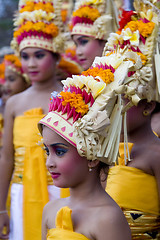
[83,41]
[11,79]
[24,56]
[46,150]
[60,151]
[40,55]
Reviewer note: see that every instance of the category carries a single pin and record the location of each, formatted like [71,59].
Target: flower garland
[105,74]
[75,101]
[49,29]
[32,6]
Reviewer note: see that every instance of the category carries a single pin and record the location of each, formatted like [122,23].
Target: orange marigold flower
[51,29]
[133,25]
[13,59]
[49,7]
[39,26]
[76,101]
[28,8]
[64,15]
[143,57]
[28,26]
[106,75]
[39,6]
[87,12]
[145,29]
[2,71]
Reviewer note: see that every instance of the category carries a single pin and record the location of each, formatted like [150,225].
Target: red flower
[125,18]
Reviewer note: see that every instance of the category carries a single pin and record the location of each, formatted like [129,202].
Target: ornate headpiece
[94,18]
[88,112]
[12,62]
[38,24]
[136,46]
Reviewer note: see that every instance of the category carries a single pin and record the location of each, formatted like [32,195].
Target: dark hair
[103,171]
[157,108]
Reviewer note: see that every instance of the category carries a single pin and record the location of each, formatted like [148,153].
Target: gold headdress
[38,24]
[94,18]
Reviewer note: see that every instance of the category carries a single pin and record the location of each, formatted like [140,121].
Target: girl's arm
[6,165]
[44,224]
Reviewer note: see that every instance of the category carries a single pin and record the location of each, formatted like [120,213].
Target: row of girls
[134,183]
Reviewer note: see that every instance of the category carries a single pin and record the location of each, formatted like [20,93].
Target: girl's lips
[55,175]
[33,73]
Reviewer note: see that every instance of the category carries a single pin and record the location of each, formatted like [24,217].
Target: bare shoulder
[112,224]
[50,211]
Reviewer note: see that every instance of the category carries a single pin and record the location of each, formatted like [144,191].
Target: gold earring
[145,113]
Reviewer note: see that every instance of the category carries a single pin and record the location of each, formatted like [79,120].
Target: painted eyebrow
[57,144]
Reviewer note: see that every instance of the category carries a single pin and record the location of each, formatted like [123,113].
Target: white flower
[133,37]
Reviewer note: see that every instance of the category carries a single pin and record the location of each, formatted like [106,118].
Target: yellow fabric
[121,157]
[133,189]
[64,227]
[30,163]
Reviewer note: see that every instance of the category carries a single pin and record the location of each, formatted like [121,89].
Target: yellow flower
[87,12]
[133,25]
[76,101]
[145,29]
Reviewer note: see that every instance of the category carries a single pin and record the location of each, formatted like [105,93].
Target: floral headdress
[94,18]
[136,45]
[88,112]
[12,62]
[38,24]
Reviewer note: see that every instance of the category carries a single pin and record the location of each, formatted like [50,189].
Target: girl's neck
[85,193]
[51,85]
[142,134]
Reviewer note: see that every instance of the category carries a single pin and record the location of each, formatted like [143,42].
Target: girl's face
[39,64]
[14,82]
[66,166]
[87,48]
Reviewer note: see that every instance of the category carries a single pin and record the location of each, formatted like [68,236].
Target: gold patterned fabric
[143,225]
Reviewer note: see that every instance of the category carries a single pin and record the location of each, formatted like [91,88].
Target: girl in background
[91,23]
[38,40]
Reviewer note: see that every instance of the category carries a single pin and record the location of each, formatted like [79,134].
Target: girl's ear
[149,107]
[92,164]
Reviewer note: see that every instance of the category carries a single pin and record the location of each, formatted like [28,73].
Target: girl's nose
[50,163]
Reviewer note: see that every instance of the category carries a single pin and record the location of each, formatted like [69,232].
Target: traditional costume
[37,24]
